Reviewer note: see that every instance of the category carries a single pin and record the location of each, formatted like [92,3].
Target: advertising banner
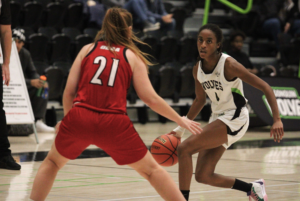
[287,92]
[16,101]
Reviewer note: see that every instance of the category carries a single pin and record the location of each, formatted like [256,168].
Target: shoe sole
[151,29]
[9,168]
[264,189]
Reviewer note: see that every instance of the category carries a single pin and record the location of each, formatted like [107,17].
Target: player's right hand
[277,131]
[192,126]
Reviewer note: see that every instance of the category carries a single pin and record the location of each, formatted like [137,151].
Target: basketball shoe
[258,191]
[41,127]
[148,26]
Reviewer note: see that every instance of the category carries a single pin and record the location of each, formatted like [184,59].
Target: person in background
[158,13]
[271,16]
[236,40]
[221,78]
[141,15]
[114,3]
[38,104]
[6,159]
[94,104]
[292,24]
[95,10]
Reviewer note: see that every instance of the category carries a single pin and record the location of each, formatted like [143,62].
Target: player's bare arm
[200,99]
[147,94]
[73,79]
[234,69]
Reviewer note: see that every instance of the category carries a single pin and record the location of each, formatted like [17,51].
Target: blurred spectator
[113,3]
[39,104]
[94,10]
[272,21]
[157,13]
[142,17]
[290,39]
[292,23]
[235,50]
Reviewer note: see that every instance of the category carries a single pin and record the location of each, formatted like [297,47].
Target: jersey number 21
[112,76]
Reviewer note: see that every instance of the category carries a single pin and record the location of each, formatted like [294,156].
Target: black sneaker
[148,26]
[8,162]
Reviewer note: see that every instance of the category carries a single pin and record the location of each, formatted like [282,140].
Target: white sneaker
[41,127]
[258,191]
[151,27]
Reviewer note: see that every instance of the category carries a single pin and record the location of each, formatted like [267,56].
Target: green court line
[96,184]
[15,183]
[89,182]
[14,176]
[79,178]
[74,179]
[71,180]
[101,175]
[96,174]
[17,176]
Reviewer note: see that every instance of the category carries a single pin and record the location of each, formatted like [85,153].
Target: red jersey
[104,80]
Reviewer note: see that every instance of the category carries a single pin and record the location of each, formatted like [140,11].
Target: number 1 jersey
[104,79]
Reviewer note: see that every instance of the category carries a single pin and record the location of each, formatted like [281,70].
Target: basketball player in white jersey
[220,77]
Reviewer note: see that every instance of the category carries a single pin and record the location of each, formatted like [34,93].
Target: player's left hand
[57,127]
[277,131]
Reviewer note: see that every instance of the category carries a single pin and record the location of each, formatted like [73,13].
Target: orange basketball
[164,150]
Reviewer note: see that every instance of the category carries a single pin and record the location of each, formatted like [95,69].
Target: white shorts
[236,128]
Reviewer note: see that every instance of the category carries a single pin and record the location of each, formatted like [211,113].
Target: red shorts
[114,133]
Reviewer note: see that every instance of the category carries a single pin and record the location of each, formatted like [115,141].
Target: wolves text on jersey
[212,84]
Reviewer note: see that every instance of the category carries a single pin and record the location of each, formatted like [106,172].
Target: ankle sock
[242,186]
[186,194]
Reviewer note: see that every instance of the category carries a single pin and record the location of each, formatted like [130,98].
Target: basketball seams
[161,154]
[170,155]
[168,148]
[172,152]
[171,142]
[164,146]
[167,160]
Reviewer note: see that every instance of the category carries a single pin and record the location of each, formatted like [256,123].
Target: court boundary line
[177,172]
[197,192]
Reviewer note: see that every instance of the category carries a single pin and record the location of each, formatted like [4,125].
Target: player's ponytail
[115,30]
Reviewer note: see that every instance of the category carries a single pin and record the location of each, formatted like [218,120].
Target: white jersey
[225,95]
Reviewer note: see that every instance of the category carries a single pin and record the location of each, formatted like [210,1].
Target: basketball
[164,150]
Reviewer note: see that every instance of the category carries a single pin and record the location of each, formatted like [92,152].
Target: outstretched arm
[234,69]
[146,92]
[197,104]
[73,79]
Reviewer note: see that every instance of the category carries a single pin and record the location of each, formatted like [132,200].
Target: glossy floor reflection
[96,177]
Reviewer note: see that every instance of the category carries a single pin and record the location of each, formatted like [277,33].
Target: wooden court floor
[99,178]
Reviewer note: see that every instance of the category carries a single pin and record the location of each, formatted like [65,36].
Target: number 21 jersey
[104,79]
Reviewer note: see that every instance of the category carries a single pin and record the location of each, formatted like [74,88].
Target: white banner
[16,101]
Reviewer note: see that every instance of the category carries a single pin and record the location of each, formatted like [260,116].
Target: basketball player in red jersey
[95,108]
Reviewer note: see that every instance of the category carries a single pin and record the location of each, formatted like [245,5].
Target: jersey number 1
[113,72]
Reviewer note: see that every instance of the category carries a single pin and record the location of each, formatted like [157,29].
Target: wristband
[179,131]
